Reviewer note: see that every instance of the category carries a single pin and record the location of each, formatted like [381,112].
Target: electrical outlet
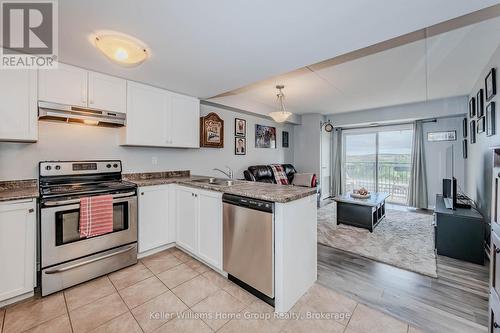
[154,160]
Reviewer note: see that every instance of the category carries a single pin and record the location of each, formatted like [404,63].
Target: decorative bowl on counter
[361,193]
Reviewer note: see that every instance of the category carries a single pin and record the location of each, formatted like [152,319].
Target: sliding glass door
[379,160]
[360,161]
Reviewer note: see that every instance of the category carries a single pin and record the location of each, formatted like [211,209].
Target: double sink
[215,181]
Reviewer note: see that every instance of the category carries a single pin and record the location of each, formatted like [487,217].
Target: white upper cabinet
[160,118]
[18,106]
[107,93]
[148,115]
[185,130]
[64,85]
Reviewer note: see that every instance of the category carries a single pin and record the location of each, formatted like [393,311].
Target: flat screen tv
[450,182]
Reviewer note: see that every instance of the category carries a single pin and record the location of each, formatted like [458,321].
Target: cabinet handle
[495,325]
[31,210]
[142,193]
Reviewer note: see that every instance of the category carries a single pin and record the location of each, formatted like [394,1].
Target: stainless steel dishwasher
[248,246]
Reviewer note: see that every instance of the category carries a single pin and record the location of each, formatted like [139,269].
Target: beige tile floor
[172,292]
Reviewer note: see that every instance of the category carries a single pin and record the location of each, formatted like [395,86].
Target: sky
[390,142]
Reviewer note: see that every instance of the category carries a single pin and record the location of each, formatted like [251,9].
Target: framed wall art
[211,131]
[481,125]
[265,136]
[464,148]
[490,84]
[472,131]
[480,103]
[464,128]
[490,119]
[284,139]
[240,146]
[472,107]
[442,136]
[240,127]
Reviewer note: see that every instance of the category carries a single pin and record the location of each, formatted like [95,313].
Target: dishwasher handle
[250,203]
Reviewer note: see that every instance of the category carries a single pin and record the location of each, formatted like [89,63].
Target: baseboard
[155,250]
[16,299]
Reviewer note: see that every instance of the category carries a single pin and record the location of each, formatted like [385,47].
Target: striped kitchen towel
[96,215]
[279,174]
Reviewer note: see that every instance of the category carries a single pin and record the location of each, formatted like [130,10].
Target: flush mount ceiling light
[123,50]
[281,114]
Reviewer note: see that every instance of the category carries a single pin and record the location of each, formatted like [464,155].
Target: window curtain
[336,165]
[417,191]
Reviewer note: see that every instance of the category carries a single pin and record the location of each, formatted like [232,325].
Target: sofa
[264,173]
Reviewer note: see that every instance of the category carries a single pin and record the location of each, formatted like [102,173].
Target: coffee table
[364,213]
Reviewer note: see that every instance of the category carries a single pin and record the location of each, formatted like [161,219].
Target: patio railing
[393,178]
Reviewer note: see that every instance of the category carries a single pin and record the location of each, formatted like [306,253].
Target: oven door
[60,236]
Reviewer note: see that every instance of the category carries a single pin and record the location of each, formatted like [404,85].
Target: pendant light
[281,114]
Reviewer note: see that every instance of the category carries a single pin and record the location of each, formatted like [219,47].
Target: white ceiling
[204,48]
[443,65]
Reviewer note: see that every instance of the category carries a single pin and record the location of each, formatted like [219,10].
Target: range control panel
[63,168]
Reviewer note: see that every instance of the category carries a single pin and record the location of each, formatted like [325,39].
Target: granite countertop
[157,178]
[262,191]
[18,189]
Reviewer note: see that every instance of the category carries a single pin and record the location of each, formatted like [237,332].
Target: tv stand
[459,233]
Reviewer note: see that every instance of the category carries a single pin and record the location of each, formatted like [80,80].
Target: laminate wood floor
[457,301]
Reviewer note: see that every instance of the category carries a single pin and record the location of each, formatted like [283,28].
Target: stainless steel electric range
[67,259]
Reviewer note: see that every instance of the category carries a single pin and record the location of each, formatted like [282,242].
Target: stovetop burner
[80,178]
[82,188]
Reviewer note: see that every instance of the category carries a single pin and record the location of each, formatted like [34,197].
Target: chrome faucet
[228,173]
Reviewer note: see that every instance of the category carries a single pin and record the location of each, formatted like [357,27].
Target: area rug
[403,239]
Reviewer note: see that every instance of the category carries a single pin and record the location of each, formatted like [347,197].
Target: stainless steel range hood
[74,114]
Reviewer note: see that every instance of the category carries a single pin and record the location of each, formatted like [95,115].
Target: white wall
[307,144]
[435,155]
[60,141]
[478,166]
[435,108]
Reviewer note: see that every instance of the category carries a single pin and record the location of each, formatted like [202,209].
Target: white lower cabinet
[17,248]
[209,227]
[186,213]
[199,223]
[156,219]
[192,218]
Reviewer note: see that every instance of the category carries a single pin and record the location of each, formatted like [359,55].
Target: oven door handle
[86,262]
[74,201]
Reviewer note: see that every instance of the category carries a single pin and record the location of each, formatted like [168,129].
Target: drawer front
[495,262]
[494,320]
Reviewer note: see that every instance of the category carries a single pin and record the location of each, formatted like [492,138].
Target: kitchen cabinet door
[64,85]
[107,93]
[186,218]
[210,227]
[154,214]
[147,116]
[185,125]
[18,106]
[17,248]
